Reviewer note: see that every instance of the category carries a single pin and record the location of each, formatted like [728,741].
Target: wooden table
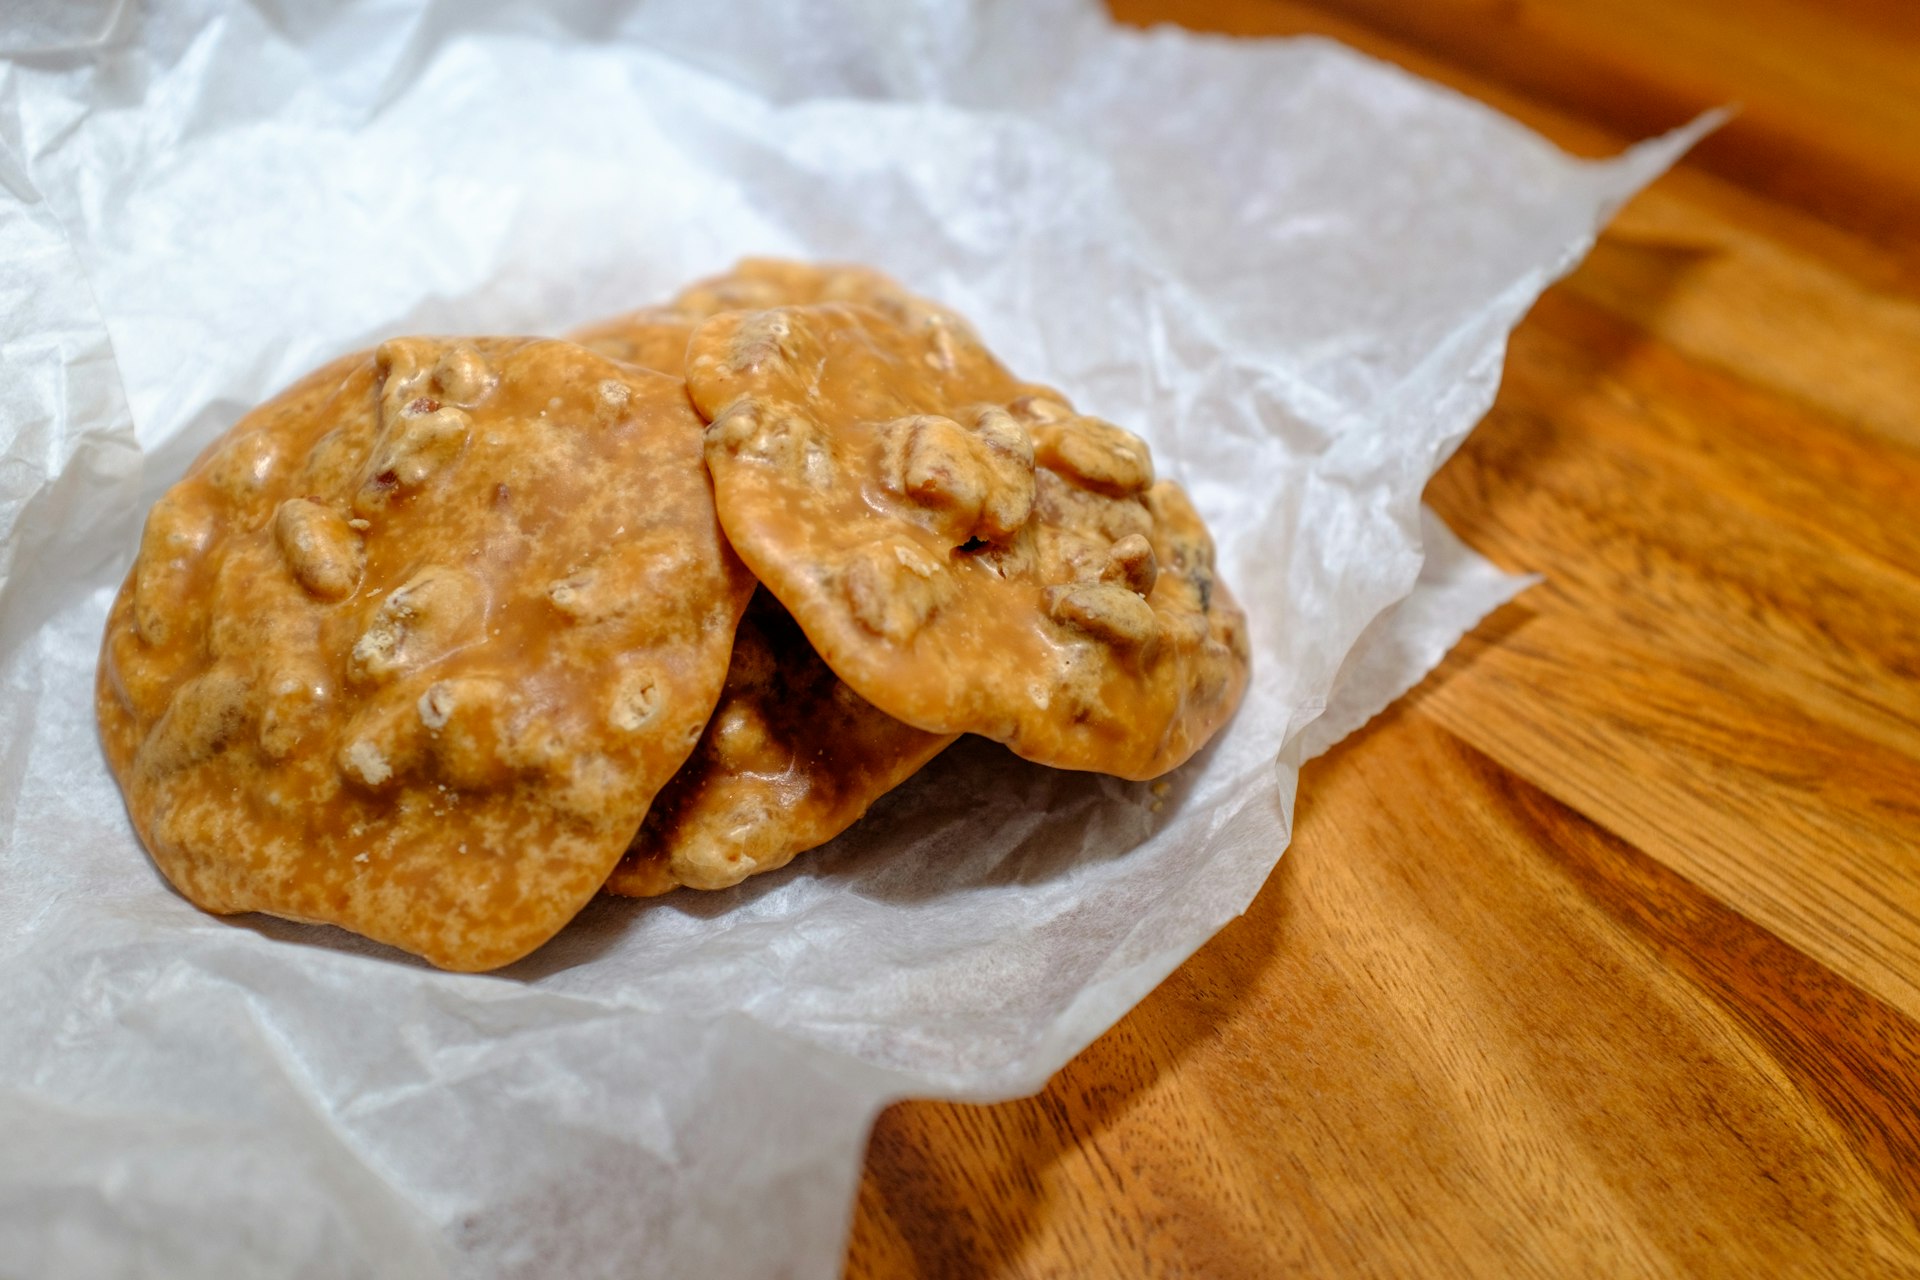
[1600,953]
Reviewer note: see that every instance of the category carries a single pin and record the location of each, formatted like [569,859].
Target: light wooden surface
[1600,954]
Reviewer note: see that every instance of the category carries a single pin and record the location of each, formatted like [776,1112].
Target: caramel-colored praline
[411,649]
[792,756]
[964,549]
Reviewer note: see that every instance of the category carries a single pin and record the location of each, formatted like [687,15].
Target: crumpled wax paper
[1293,269]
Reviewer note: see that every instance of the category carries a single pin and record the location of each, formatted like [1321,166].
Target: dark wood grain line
[1855,1057]
[1789,459]
[1838,135]
[1719,769]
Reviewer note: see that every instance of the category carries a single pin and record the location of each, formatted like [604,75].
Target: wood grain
[1600,953]
[1829,93]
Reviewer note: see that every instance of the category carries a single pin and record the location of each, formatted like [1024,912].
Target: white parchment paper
[1291,268]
